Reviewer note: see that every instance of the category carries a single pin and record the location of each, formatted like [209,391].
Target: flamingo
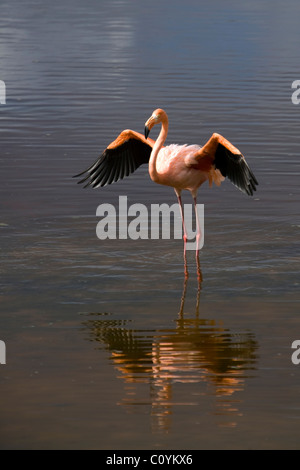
[183,167]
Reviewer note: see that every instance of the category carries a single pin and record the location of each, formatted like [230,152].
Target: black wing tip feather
[235,167]
[79,174]
[115,163]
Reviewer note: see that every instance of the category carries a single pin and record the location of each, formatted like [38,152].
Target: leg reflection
[199,287]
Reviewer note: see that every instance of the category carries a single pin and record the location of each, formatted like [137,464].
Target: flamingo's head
[157,116]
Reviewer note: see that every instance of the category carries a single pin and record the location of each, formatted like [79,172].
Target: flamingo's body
[172,168]
[184,167]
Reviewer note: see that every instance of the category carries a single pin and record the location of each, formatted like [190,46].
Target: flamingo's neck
[156,148]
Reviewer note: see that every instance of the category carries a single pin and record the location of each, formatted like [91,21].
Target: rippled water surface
[107,347]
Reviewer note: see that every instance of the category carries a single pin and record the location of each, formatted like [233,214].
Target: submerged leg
[200,279]
[198,238]
[183,297]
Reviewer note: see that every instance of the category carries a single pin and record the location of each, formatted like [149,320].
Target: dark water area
[106,346]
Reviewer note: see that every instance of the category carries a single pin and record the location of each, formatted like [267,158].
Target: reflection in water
[195,351]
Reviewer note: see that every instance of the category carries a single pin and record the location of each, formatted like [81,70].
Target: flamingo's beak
[147,130]
[148,125]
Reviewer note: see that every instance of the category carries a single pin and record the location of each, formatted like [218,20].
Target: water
[107,347]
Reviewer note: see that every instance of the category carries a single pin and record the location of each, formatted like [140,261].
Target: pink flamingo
[180,166]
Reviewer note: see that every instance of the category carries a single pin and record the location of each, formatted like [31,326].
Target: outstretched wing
[226,158]
[121,158]
[235,167]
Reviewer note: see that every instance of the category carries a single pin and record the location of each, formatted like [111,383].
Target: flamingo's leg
[198,238]
[184,233]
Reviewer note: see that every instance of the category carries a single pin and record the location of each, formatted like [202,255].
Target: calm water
[107,347]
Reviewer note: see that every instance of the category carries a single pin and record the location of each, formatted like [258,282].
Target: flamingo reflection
[196,351]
